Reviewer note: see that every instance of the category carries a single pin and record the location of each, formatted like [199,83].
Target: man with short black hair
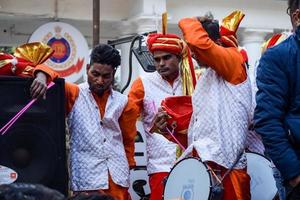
[102,128]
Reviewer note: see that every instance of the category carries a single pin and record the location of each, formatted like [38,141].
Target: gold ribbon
[35,52]
[187,80]
[232,21]
[164,23]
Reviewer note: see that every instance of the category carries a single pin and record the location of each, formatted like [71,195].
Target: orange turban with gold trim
[25,59]
[173,44]
[179,108]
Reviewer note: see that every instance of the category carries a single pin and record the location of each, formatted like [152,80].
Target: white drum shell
[263,185]
[189,179]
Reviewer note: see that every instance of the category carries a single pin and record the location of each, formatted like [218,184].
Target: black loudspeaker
[35,145]
[145,58]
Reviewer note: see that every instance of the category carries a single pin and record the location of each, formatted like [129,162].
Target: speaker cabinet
[35,145]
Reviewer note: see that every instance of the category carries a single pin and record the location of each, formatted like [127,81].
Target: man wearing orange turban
[174,76]
[221,105]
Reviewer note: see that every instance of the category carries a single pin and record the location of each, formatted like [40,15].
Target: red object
[180,110]
[7,67]
[157,185]
[244,54]
[229,27]
[168,42]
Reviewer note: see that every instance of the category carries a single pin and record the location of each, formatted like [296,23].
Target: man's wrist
[41,75]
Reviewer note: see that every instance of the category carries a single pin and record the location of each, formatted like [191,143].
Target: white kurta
[161,153]
[96,145]
[254,141]
[221,115]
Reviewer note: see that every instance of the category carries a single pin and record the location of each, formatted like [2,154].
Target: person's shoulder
[83,86]
[118,94]
[150,76]
[279,56]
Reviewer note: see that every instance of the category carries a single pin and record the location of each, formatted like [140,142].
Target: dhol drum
[190,179]
[263,185]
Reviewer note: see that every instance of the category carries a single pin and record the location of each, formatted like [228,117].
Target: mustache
[163,69]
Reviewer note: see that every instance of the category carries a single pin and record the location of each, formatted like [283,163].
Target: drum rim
[269,159]
[195,158]
[251,152]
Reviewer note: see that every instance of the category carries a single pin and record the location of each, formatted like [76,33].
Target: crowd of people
[225,120]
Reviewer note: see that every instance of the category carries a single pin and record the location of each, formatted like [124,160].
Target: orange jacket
[226,61]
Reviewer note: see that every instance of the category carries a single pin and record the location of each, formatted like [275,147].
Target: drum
[190,179]
[263,185]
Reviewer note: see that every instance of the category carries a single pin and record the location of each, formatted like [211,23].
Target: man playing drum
[221,105]
[171,56]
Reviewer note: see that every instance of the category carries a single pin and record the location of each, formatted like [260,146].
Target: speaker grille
[35,145]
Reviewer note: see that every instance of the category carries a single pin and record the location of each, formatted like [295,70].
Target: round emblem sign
[71,49]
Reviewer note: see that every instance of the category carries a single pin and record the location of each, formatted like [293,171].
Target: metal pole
[96,22]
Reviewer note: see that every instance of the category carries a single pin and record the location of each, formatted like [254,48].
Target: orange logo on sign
[60,49]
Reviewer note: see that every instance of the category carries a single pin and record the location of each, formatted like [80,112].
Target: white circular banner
[71,49]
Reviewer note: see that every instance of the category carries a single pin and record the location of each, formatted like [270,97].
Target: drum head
[188,180]
[263,185]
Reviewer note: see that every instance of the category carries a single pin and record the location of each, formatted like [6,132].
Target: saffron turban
[179,108]
[173,44]
[25,59]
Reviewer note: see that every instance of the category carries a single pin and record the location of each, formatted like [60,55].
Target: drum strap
[217,176]
[233,165]
[220,180]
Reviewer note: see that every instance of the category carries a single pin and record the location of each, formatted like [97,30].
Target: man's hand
[295,181]
[38,87]
[160,120]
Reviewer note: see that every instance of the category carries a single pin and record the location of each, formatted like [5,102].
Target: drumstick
[171,133]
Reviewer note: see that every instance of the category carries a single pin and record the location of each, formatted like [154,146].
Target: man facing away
[277,115]
[221,107]
[171,55]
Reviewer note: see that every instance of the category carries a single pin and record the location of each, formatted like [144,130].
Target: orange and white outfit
[148,92]
[102,133]
[221,108]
